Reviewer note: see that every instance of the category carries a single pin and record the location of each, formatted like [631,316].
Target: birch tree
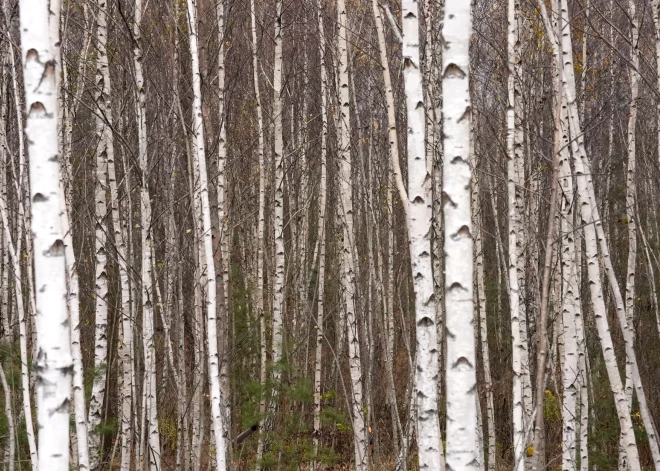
[103,149]
[278,284]
[223,220]
[462,443]
[514,233]
[567,77]
[150,407]
[347,258]
[419,230]
[40,45]
[483,323]
[318,353]
[260,229]
[208,267]
[10,456]
[631,197]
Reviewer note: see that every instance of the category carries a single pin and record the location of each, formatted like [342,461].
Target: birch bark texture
[278,288]
[588,213]
[462,439]
[104,148]
[150,394]
[348,275]
[514,223]
[419,232]
[208,263]
[53,365]
[259,295]
[321,237]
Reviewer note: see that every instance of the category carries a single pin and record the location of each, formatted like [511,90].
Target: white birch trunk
[10,421]
[81,447]
[655,12]
[126,343]
[224,232]
[631,197]
[491,462]
[260,232]
[321,239]
[150,386]
[73,305]
[40,45]
[462,442]
[570,305]
[103,148]
[5,154]
[20,310]
[514,222]
[208,266]
[589,216]
[347,251]
[429,441]
[278,235]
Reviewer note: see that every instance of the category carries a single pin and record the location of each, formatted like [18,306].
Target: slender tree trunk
[514,233]
[278,235]
[348,247]
[491,463]
[5,154]
[208,264]
[419,229]
[538,457]
[655,11]
[570,307]
[589,216]
[153,434]
[321,239]
[224,231]
[104,148]
[74,320]
[122,261]
[10,420]
[20,310]
[260,234]
[631,202]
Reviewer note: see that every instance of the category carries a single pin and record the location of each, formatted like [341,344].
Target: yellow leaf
[530,450]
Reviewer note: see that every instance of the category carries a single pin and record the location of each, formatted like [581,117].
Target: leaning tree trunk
[208,267]
[564,66]
[462,450]
[394,165]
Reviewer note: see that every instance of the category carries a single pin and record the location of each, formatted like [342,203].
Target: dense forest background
[236,177]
